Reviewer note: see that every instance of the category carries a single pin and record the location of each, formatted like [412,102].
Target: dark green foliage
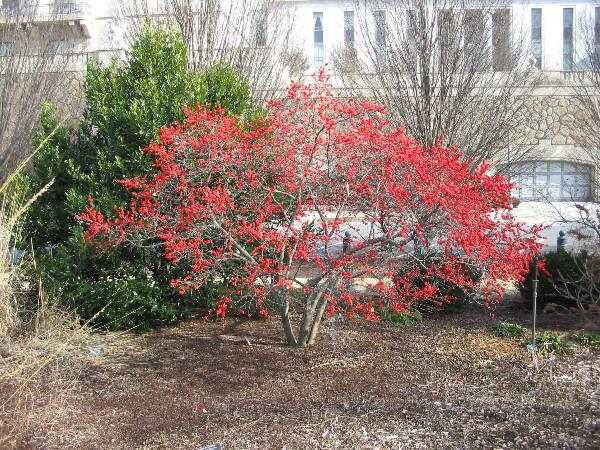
[126,105]
[120,290]
[557,264]
[551,344]
[588,339]
[224,87]
[402,318]
[47,218]
[509,330]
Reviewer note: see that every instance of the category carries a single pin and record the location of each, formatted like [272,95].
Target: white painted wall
[103,22]
[552,25]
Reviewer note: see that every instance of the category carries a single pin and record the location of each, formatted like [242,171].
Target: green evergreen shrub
[127,103]
[564,263]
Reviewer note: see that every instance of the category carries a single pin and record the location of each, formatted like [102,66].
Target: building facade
[555,34]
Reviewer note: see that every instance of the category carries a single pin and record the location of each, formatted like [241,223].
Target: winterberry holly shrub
[269,203]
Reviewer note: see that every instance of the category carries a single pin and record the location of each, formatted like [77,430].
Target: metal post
[561,241]
[535,286]
[346,242]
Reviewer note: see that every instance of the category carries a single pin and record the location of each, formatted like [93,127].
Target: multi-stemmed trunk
[312,314]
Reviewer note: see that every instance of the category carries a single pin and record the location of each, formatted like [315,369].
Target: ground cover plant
[588,339]
[322,207]
[551,344]
[509,330]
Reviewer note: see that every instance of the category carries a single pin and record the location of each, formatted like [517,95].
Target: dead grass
[41,346]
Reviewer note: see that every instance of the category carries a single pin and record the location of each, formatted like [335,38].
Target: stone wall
[554,119]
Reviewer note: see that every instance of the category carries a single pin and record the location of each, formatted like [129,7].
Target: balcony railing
[53,63]
[45,11]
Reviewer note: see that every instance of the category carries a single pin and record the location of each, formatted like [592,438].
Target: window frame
[539,65]
[535,177]
[318,50]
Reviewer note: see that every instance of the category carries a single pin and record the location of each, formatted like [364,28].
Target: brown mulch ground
[444,383]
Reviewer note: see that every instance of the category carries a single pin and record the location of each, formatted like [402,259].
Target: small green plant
[401,318]
[588,339]
[509,330]
[551,344]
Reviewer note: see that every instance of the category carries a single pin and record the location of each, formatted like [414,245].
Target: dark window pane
[349,28]
[319,48]
[501,37]
[568,39]
[445,28]
[380,35]
[475,40]
[536,36]
[261,27]
[597,25]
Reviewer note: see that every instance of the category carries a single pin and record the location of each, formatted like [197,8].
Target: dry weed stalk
[13,204]
[42,347]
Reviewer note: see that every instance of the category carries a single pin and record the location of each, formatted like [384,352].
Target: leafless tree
[582,285]
[37,63]
[587,89]
[457,69]
[253,36]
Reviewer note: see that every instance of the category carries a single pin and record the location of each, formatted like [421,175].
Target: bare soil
[445,383]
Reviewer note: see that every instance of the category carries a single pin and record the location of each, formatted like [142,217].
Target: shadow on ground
[444,383]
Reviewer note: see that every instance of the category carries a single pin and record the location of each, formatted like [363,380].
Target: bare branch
[253,36]
[446,68]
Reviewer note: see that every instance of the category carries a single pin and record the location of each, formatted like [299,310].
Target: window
[501,36]
[597,31]
[411,23]
[349,29]
[474,38]
[411,36]
[319,48]
[10,3]
[380,36]
[556,181]
[567,38]
[6,48]
[536,36]
[260,36]
[67,7]
[445,28]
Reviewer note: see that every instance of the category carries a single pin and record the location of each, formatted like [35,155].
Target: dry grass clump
[39,374]
[43,348]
